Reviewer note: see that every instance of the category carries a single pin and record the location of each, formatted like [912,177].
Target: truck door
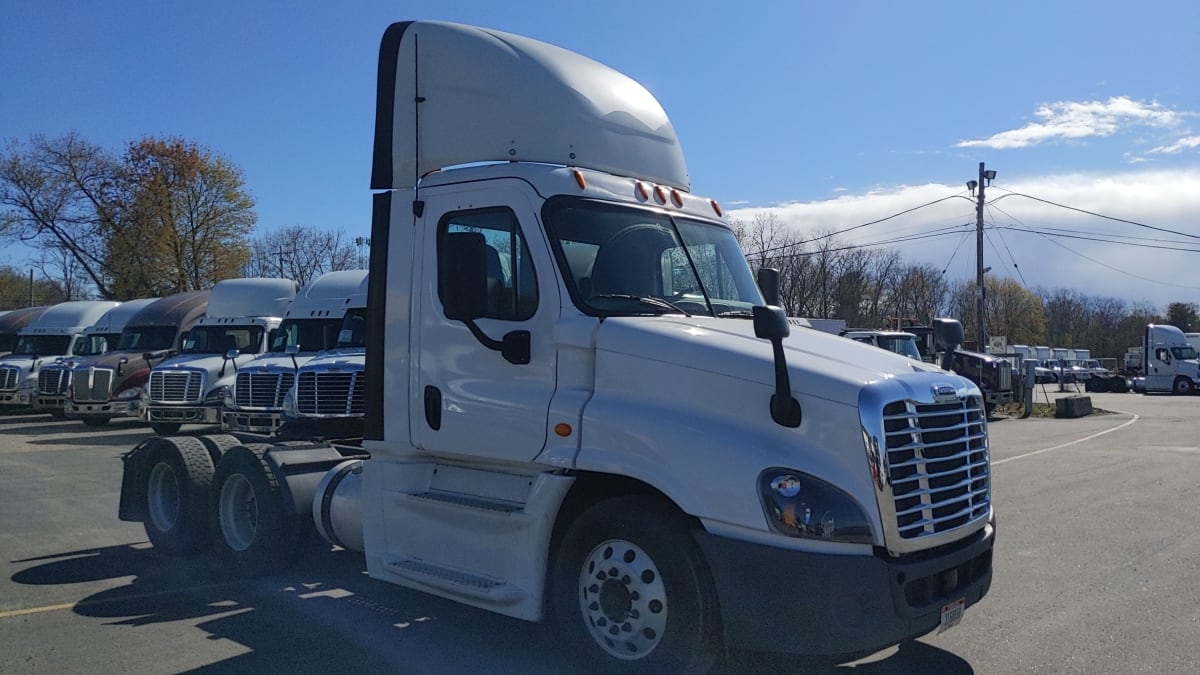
[1160,374]
[470,398]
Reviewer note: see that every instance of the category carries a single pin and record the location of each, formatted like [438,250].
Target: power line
[1093,213]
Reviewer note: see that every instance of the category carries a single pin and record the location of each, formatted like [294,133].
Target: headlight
[229,401]
[126,394]
[216,396]
[289,403]
[146,395]
[799,505]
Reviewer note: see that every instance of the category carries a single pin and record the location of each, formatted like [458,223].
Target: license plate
[952,614]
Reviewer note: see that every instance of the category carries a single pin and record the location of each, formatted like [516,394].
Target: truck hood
[276,361]
[820,364]
[348,359]
[210,363]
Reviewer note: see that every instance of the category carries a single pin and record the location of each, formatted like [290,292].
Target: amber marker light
[716,207]
[643,190]
[660,194]
[579,179]
[562,429]
[677,198]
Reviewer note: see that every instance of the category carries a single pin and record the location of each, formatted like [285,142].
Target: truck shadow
[326,613]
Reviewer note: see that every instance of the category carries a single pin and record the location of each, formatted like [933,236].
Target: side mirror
[462,269]
[232,354]
[770,323]
[768,285]
[947,334]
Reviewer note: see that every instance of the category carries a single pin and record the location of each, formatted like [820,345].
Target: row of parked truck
[250,355]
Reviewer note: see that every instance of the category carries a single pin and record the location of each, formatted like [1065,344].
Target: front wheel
[1183,386]
[255,532]
[632,590]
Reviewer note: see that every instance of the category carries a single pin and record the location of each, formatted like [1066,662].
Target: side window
[511,283]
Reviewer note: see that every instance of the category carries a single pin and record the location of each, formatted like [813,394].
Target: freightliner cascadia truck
[580,407]
[310,326]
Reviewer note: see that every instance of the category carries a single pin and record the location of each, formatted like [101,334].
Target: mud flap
[133,482]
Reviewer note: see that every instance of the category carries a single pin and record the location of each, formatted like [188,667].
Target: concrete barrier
[1073,406]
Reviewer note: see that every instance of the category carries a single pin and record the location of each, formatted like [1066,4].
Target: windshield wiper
[647,299]
[736,314]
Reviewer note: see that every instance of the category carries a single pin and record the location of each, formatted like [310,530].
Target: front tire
[632,590]
[254,531]
[1183,386]
[181,472]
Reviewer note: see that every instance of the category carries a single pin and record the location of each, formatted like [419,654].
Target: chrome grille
[176,386]
[93,385]
[53,381]
[937,465]
[262,389]
[9,378]
[330,393]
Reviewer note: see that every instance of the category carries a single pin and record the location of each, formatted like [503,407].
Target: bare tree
[302,253]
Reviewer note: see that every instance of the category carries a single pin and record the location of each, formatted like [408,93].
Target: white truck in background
[327,400]
[11,324]
[1169,362]
[904,344]
[54,333]
[54,380]
[255,402]
[579,406]
[239,323]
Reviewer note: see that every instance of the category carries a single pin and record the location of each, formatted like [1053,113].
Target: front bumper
[183,414]
[795,602]
[254,421]
[106,409]
[17,398]
[49,402]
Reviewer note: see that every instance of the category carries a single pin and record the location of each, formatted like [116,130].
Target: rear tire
[166,428]
[178,481]
[255,533]
[1183,386]
[95,421]
[632,591]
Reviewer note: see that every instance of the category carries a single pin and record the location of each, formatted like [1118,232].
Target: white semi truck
[327,400]
[239,323]
[1169,362]
[55,333]
[578,404]
[311,324]
[54,380]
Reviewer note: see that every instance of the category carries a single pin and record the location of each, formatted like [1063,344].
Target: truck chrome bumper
[103,409]
[182,414]
[254,421]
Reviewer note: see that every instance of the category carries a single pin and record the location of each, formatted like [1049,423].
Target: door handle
[433,407]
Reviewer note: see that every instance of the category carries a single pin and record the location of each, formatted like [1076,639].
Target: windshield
[310,335]
[43,345]
[96,343]
[901,344]
[220,339]
[148,338]
[1183,352]
[620,261]
[7,341]
[354,329]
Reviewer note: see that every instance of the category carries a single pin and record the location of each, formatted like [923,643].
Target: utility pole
[985,178]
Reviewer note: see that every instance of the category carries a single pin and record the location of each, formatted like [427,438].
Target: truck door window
[512,283]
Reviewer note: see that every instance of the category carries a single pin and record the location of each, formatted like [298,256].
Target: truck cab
[899,342]
[56,332]
[580,406]
[1169,362]
[54,380]
[110,385]
[310,326]
[239,324]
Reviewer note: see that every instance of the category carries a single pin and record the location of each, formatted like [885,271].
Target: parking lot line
[998,462]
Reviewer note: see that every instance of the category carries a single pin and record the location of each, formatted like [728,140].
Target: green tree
[1183,315]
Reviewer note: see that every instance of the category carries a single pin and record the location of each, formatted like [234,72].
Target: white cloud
[1185,143]
[1064,255]
[1071,120]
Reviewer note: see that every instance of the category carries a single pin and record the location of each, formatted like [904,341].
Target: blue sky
[827,115]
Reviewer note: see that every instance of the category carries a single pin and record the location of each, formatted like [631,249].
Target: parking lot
[1096,570]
